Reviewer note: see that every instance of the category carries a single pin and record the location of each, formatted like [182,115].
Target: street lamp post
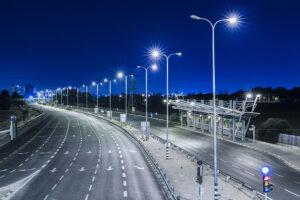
[109,85]
[153,67]
[156,54]
[61,91]
[231,20]
[121,75]
[86,96]
[77,95]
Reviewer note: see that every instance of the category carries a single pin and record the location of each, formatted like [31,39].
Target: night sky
[53,43]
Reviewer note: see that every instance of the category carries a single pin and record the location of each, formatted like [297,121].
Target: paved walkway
[182,173]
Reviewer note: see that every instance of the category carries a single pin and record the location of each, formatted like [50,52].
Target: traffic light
[267,185]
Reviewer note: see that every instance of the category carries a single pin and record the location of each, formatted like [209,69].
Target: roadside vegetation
[13,105]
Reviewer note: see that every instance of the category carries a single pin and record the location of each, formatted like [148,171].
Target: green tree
[4,100]
[270,129]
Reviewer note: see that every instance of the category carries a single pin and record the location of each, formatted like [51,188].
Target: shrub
[270,129]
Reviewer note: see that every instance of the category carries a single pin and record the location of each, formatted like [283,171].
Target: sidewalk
[182,174]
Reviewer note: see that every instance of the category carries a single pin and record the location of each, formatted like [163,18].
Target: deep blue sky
[58,43]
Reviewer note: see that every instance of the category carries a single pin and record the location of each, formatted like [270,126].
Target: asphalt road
[74,156]
[238,161]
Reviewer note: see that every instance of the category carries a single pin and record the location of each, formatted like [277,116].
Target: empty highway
[240,162]
[74,156]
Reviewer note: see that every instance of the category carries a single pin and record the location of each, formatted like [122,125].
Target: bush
[270,129]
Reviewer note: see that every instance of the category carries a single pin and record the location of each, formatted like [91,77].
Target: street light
[156,54]
[109,83]
[68,88]
[86,95]
[120,75]
[154,68]
[232,20]
[97,87]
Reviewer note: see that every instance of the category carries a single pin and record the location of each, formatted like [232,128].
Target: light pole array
[153,67]
[157,54]
[109,85]
[231,20]
[121,75]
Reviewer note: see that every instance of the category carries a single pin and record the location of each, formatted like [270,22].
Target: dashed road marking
[297,195]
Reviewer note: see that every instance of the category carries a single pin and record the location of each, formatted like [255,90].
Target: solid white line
[297,195]
[54,187]
[278,175]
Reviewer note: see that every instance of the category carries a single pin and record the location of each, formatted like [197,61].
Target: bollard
[13,127]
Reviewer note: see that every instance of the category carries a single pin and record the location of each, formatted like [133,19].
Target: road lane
[240,162]
[83,158]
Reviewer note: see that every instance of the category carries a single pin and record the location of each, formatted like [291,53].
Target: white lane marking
[297,195]
[250,173]
[86,197]
[90,187]
[122,167]
[235,166]
[109,168]
[124,183]
[125,193]
[123,175]
[3,170]
[2,176]
[12,171]
[137,167]
[297,182]
[120,152]
[53,170]
[122,161]
[278,175]
[93,179]
[121,156]
[223,160]
[46,197]
[61,177]
[26,159]
[54,187]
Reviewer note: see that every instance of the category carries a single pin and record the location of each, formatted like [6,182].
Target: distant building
[30,90]
[17,88]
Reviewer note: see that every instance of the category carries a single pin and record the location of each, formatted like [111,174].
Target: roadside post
[13,127]
[199,178]
[253,132]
